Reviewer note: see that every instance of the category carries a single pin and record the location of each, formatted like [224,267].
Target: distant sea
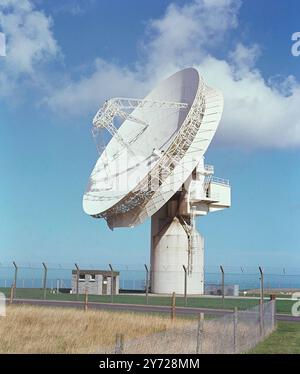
[135,279]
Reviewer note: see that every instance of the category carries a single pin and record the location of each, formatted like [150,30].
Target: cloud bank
[259,111]
[30,44]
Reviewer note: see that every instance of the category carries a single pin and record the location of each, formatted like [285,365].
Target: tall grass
[33,329]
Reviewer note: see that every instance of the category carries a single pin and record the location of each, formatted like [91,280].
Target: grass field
[36,329]
[283,306]
[32,329]
[286,340]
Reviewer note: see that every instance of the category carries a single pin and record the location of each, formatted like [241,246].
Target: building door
[104,285]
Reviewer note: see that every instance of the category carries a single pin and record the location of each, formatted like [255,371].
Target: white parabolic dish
[130,183]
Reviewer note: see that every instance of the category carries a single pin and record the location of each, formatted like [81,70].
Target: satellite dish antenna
[151,164]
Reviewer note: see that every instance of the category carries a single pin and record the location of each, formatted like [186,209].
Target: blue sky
[65,57]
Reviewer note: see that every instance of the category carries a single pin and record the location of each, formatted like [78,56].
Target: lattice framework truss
[141,194]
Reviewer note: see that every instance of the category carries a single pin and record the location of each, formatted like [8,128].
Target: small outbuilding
[216,289]
[95,282]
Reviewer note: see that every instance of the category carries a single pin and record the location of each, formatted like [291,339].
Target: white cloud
[244,58]
[29,42]
[255,114]
[259,112]
[177,39]
[106,80]
[185,34]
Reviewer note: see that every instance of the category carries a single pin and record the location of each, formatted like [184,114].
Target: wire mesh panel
[238,332]
[282,281]
[234,333]
[248,278]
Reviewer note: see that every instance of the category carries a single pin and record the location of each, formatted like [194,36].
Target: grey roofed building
[95,282]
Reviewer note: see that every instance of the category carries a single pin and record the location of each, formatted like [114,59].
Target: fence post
[273,310]
[185,285]
[235,328]
[173,306]
[261,304]
[147,283]
[86,299]
[261,284]
[16,277]
[111,283]
[77,281]
[119,347]
[12,293]
[200,332]
[45,280]
[222,285]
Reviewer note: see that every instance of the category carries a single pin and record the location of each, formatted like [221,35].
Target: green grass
[283,306]
[286,339]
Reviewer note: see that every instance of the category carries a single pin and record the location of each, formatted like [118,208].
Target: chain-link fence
[248,277]
[50,280]
[237,332]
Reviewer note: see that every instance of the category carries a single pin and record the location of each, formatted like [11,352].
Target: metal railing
[218,180]
[209,168]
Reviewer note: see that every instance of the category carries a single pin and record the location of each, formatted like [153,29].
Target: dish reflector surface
[139,171]
[119,169]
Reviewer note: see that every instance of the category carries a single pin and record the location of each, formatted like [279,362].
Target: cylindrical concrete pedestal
[170,251]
